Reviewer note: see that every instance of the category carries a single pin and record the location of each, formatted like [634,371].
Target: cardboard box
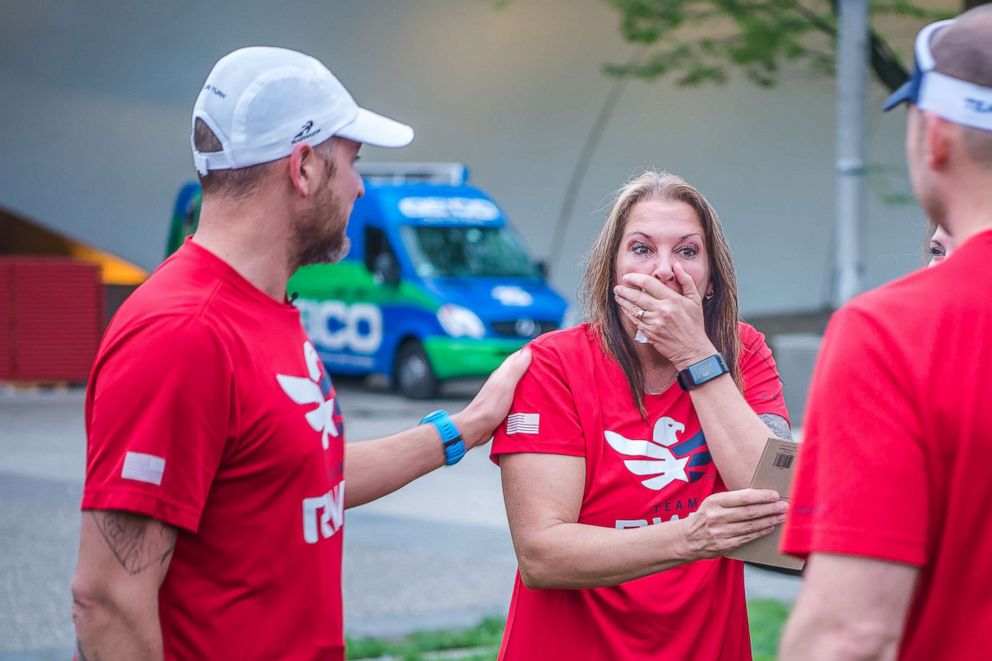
[774,471]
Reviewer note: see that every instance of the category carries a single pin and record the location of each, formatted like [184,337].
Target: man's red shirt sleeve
[162,393]
[861,486]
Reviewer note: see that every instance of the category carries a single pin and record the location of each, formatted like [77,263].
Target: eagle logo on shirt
[663,459]
[313,389]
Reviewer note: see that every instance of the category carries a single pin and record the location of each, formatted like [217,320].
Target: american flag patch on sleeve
[523,423]
[143,468]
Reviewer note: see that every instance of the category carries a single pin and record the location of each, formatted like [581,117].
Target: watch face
[705,370]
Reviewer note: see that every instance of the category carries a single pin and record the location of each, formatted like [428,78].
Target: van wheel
[413,376]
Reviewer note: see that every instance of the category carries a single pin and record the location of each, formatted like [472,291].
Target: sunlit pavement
[434,554]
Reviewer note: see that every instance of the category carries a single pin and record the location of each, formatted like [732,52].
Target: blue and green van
[437,285]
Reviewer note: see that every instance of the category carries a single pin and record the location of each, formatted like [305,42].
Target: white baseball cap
[262,101]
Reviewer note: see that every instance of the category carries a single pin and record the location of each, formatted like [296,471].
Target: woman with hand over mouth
[630,445]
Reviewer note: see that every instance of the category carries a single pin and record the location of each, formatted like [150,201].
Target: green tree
[700,41]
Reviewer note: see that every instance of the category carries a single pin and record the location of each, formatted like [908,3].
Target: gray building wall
[96,96]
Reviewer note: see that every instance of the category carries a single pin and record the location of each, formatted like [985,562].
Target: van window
[380,260]
[467,251]
[376,243]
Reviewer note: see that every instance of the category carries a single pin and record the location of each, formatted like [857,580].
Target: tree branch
[764,34]
[884,62]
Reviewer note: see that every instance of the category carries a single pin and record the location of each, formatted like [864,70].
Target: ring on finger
[640,314]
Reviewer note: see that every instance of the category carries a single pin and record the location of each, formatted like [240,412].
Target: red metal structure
[51,318]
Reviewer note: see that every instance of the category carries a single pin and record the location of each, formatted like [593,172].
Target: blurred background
[97,96]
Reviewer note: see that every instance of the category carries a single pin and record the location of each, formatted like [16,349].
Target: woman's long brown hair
[720,312]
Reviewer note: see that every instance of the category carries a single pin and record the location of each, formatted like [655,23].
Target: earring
[709,296]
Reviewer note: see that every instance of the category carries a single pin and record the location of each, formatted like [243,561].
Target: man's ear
[936,140]
[304,169]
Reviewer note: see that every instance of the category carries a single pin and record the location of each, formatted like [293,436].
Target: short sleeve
[861,486]
[159,412]
[542,417]
[762,384]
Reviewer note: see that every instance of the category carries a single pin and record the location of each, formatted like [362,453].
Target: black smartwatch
[705,370]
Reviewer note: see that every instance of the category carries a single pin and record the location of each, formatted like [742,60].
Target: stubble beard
[319,234]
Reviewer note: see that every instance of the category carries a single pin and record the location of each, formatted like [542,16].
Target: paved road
[435,554]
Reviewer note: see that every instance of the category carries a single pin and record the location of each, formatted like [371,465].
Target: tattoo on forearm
[778,425]
[136,541]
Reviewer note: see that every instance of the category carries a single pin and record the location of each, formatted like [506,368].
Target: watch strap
[451,439]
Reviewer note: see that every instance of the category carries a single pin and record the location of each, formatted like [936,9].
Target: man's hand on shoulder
[479,419]
[377,467]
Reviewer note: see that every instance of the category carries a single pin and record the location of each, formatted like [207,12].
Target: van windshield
[467,251]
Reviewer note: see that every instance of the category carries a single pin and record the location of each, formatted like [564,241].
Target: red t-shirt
[898,446]
[575,401]
[209,410]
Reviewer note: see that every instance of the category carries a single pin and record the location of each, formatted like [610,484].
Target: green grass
[481,642]
[766,617]
[486,634]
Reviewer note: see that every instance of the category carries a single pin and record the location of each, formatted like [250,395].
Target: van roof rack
[402,173]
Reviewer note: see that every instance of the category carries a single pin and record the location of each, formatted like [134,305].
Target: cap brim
[902,95]
[374,129]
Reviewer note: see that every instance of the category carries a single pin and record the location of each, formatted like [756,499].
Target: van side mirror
[542,268]
[387,270]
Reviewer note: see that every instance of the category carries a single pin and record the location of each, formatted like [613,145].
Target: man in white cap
[216,466]
[891,501]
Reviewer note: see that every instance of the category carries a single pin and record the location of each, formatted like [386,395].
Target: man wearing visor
[892,496]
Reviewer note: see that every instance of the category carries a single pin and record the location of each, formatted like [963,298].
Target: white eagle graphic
[306,390]
[659,462]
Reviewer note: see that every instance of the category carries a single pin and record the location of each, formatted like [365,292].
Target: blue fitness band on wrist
[451,438]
